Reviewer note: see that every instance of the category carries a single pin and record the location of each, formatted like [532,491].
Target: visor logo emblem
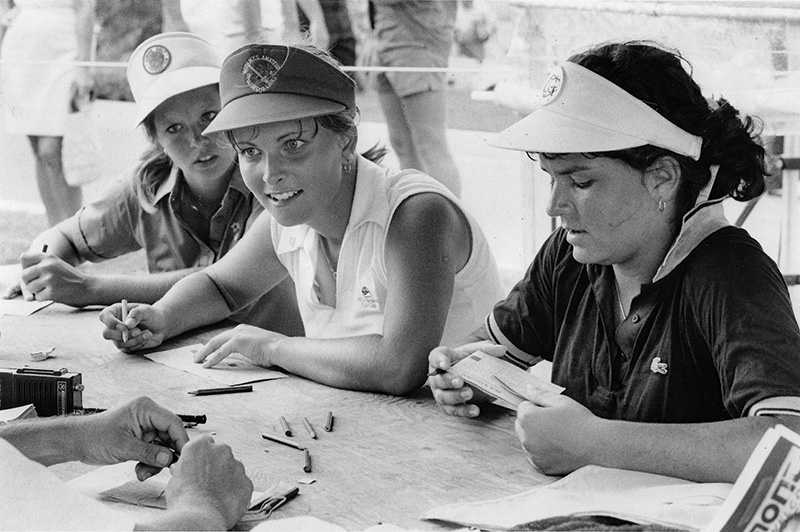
[552,87]
[260,72]
[156,59]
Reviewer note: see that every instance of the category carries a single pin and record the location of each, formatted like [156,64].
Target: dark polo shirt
[705,341]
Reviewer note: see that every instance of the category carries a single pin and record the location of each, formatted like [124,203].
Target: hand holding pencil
[133,326]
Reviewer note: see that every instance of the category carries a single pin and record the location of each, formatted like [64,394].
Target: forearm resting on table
[363,363]
[192,302]
[48,442]
[138,288]
[702,452]
[196,518]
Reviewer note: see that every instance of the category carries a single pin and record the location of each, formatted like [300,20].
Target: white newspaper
[504,383]
[642,498]
[766,496]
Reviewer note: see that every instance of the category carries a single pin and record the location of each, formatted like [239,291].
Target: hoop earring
[661,205]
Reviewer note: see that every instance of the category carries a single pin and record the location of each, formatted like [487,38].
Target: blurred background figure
[230,24]
[475,25]
[416,33]
[225,24]
[342,43]
[36,98]
[316,28]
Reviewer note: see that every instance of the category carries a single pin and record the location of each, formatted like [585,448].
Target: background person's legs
[425,114]
[399,133]
[60,200]
[418,132]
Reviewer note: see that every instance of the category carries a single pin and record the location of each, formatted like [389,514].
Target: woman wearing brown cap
[386,266]
[185,203]
[671,330]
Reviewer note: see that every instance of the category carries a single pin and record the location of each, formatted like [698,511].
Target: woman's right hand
[449,390]
[48,277]
[145,326]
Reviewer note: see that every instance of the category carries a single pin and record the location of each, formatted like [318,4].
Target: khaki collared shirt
[118,223]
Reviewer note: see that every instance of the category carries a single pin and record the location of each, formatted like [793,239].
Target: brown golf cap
[265,83]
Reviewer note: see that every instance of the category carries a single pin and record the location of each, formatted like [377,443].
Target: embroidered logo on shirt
[367,301]
[656,366]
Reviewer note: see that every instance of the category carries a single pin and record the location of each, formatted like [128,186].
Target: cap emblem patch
[552,87]
[156,59]
[260,72]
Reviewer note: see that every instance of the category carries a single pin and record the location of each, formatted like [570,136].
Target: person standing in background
[317,29]
[342,44]
[230,24]
[225,24]
[36,98]
[416,34]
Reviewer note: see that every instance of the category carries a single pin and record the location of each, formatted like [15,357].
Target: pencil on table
[278,439]
[306,461]
[329,422]
[124,317]
[285,427]
[309,428]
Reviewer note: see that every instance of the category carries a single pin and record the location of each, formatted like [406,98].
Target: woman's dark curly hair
[657,76]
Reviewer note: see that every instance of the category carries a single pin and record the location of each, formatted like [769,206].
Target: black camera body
[53,392]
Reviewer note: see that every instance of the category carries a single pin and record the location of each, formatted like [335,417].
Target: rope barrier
[445,70]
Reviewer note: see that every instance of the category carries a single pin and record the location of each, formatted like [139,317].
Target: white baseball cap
[580,111]
[169,64]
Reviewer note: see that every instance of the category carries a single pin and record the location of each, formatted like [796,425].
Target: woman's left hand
[555,430]
[254,343]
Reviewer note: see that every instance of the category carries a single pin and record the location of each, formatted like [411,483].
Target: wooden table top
[387,460]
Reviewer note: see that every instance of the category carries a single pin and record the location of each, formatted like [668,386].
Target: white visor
[582,112]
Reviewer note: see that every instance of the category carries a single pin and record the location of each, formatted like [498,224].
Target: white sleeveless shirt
[361,273]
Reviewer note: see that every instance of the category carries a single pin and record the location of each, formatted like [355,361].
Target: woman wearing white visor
[185,203]
[671,331]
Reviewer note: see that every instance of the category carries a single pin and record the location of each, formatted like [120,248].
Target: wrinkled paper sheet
[641,498]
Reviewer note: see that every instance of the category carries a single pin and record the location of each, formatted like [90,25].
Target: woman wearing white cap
[671,331]
[185,203]
[386,266]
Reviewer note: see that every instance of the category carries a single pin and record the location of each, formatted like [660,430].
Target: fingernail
[473,411]
[145,474]
[164,458]
[466,394]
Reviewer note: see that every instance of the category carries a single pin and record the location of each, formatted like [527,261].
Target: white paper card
[501,380]
[20,307]
[234,369]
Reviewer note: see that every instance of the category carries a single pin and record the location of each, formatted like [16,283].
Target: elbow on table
[402,381]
